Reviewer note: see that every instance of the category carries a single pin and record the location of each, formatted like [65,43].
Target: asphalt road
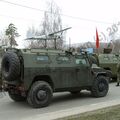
[10,110]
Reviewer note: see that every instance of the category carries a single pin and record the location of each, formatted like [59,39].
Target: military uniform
[118,74]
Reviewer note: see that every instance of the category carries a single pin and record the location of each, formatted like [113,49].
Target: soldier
[118,74]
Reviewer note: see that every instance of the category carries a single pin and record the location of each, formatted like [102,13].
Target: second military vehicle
[109,61]
[35,74]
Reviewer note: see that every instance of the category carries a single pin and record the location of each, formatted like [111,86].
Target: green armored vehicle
[35,74]
[109,61]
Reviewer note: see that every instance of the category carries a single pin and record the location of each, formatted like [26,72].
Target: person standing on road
[118,73]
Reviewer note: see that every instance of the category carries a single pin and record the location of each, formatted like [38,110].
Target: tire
[40,94]
[100,87]
[10,66]
[16,96]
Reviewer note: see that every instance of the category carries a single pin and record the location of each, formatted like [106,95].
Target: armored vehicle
[109,61]
[35,74]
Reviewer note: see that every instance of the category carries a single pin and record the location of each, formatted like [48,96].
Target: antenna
[51,36]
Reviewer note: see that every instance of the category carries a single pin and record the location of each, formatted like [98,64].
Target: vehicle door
[83,70]
[65,72]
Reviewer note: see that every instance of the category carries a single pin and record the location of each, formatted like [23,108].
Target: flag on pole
[97,39]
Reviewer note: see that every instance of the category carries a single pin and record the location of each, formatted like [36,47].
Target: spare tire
[10,66]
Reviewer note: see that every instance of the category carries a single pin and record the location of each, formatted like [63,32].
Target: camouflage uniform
[118,74]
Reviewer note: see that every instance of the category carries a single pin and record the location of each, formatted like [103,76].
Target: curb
[73,111]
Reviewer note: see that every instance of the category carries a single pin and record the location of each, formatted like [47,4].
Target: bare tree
[115,45]
[51,23]
[3,39]
[32,31]
[52,19]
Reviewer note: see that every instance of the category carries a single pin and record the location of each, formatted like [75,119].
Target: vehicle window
[63,59]
[80,61]
[106,58]
[42,58]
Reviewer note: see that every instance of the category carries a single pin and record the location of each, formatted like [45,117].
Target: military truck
[109,61]
[35,74]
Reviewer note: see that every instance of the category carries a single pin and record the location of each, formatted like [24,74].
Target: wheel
[40,94]
[100,87]
[16,96]
[10,66]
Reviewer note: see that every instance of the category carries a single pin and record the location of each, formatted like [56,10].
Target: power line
[20,5]
[73,17]
[19,18]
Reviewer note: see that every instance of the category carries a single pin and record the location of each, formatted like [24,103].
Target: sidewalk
[73,111]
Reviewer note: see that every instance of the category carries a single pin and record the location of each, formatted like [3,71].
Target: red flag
[97,39]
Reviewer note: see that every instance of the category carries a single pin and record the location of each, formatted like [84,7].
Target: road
[10,110]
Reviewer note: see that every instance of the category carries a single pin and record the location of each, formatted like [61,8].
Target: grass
[110,113]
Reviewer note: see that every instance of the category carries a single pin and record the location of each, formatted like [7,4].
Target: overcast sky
[82,15]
